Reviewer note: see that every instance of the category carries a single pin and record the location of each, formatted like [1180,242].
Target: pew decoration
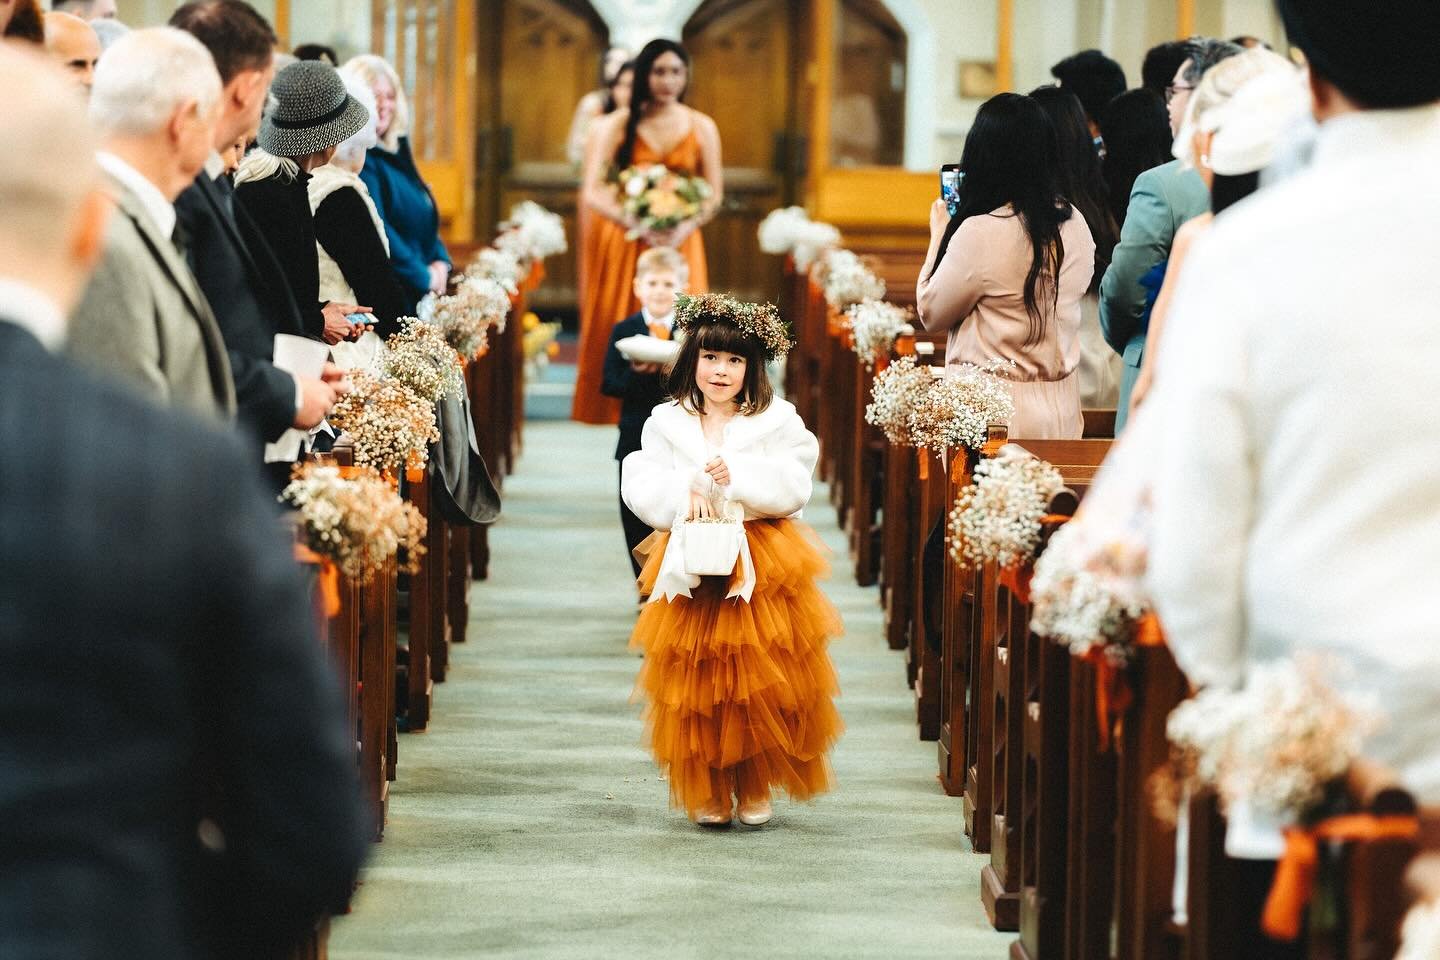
[421,358]
[847,280]
[1088,592]
[874,327]
[790,231]
[502,266]
[957,410]
[1421,932]
[894,395]
[390,425]
[531,234]
[998,518]
[358,522]
[479,304]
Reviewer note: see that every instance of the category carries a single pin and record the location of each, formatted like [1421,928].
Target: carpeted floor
[527,822]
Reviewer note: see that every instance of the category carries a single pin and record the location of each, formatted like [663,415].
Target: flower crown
[760,320]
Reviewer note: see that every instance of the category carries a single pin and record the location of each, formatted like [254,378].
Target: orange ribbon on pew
[1016,578]
[881,364]
[414,474]
[1113,695]
[924,457]
[536,275]
[329,577]
[1294,882]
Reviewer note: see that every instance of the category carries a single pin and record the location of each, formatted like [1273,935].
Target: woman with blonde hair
[406,205]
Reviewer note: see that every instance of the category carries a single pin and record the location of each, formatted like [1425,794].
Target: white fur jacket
[771,457]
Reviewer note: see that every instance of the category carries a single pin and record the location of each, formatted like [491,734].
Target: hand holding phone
[951,177]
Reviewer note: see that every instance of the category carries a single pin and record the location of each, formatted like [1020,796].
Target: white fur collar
[682,428]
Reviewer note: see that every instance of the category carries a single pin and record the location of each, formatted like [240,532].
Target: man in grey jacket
[1161,200]
[144,319]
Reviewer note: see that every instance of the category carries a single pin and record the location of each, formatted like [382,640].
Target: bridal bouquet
[894,394]
[790,230]
[658,198]
[998,517]
[357,522]
[847,281]
[391,426]
[420,357]
[1278,743]
[957,411]
[874,325]
[532,233]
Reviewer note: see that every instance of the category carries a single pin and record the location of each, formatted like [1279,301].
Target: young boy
[660,276]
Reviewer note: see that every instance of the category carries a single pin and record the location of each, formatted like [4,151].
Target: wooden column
[1004,45]
[1184,18]
[821,79]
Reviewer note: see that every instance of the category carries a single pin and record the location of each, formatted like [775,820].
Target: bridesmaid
[657,129]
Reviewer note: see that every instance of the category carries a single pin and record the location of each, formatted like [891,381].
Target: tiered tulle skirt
[738,696]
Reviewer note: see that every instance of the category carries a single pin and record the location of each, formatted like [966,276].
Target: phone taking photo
[950,179]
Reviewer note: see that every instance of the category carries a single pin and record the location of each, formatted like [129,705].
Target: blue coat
[1162,199]
[412,220]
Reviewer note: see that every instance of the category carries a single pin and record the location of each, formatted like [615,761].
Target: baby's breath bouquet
[1278,744]
[357,522]
[502,266]
[391,426]
[465,317]
[420,357]
[790,230]
[874,325]
[846,280]
[657,198]
[1091,605]
[998,517]
[895,392]
[957,411]
[532,233]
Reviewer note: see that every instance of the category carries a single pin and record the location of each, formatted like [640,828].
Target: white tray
[648,349]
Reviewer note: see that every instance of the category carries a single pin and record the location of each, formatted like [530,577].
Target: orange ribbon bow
[659,331]
[1294,882]
[329,577]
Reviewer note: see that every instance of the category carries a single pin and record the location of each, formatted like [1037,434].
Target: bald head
[52,217]
[86,9]
[74,44]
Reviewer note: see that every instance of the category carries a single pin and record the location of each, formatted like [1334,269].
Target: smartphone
[950,179]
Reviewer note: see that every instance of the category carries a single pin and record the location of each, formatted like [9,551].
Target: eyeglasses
[1176,88]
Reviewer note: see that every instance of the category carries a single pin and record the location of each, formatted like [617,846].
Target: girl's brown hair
[721,336]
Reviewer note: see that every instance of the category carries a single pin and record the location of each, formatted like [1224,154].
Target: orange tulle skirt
[738,696]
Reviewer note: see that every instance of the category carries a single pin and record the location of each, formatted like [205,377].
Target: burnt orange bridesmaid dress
[608,294]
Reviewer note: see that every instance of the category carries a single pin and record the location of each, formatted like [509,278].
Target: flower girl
[737,680]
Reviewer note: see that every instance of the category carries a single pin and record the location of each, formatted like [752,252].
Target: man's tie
[660,331]
[180,237]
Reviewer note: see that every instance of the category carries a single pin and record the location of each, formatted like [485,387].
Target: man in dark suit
[175,777]
[236,269]
[660,276]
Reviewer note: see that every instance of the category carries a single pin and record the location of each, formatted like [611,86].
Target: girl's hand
[939,218]
[718,472]
[700,507]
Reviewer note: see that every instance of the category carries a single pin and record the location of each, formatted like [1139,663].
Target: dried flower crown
[760,320]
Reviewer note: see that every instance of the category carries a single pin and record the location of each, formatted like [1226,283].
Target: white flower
[635,186]
[894,394]
[359,523]
[532,233]
[846,280]
[958,410]
[1092,602]
[874,326]
[1421,934]
[998,517]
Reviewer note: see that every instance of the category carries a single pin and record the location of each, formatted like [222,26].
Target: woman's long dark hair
[640,93]
[1010,158]
[1081,179]
[1136,128]
[610,103]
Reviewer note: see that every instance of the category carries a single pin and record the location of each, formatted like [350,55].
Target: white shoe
[756,814]
[716,816]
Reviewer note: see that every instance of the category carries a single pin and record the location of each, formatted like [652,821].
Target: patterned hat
[310,111]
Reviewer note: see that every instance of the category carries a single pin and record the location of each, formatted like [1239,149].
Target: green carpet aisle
[528,823]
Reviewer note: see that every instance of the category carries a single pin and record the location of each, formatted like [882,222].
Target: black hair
[1136,128]
[1091,76]
[237,36]
[317,51]
[610,103]
[1380,55]
[724,337]
[1227,191]
[1082,181]
[1161,64]
[1010,157]
[640,95]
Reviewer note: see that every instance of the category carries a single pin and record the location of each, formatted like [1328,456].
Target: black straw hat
[311,111]
[1380,55]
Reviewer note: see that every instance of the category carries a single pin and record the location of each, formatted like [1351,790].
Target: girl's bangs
[727,338]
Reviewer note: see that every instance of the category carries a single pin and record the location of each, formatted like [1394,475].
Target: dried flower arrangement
[1093,603]
[790,230]
[894,394]
[957,411]
[357,522]
[465,317]
[420,357]
[502,266]
[874,326]
[391,426]
[1278,744]
[847,281]
[532,233]
[998,517]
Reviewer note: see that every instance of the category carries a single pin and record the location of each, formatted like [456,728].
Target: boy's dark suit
[639,393]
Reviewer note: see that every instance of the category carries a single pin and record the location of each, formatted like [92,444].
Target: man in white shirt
[144,319]
[1297,495]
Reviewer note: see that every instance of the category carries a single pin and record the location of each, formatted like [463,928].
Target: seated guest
[235,266]
[660,276]
[1161,200]
[310,116]
[1006,274]
[412,220]
[74,44]
[173,758]
[1295,495]
[143,318]
[354,252]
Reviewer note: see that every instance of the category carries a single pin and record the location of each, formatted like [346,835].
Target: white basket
[712,548]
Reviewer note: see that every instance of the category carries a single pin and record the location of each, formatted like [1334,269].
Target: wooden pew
[426,607]
[378,600]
